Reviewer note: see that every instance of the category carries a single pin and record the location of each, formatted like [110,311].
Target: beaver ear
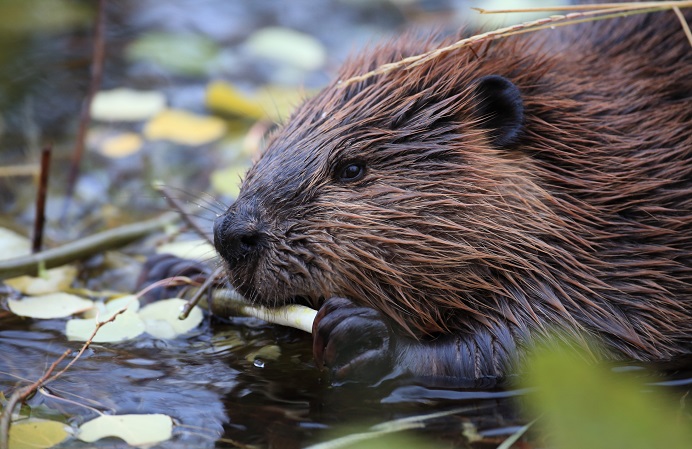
[500,108]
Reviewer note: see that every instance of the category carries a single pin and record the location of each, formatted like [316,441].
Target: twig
[206,285]
[292,315]
[683,22]
[19,170]
[175,204]
[549,22]
[40,219]
[112,238]
[98,56]
[21,394]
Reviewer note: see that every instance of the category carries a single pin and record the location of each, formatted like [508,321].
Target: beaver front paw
[351,341]
[164,266]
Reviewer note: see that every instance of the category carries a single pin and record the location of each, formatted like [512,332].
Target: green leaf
[36,434]
[588,406]
[186,54]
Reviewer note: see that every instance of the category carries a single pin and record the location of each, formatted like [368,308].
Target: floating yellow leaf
[223,97]
[272,102]
[125,327]
[280,102]
[53,305]
[289,47]
[129,301]
[161,318]
[37,434]
[184,127]
[51,281]
[126,105]
[198,249]
[121,145]
[227,181]
[136,430]
[13,244]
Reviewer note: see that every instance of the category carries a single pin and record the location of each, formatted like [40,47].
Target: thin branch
[40,218]
[21,394]
[97,59]
[79,249]
[205,287]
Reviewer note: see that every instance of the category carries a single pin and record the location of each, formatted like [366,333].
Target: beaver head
[401,192]
[474,189]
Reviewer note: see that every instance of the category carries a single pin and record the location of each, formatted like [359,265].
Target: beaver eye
[351,172]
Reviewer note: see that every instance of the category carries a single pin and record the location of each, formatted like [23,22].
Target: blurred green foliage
[583,405]
[21,16]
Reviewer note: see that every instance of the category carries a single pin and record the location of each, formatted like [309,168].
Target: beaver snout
[238,235]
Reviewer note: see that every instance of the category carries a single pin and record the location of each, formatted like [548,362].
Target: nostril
[250,240]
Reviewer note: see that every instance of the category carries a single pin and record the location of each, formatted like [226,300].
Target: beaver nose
[237,236]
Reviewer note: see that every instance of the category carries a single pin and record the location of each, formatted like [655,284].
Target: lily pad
[135,430]
[52,305]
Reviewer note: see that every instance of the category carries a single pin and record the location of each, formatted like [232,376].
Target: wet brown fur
[584,222]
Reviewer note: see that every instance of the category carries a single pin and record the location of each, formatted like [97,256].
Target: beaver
[446,217]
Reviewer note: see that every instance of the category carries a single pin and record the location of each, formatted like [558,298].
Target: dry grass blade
[594,7]
[685,25]
[593,14]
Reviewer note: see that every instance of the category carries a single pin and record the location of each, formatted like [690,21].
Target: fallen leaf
[36,434]
[13,244]
[51,281]
[269,352]
[135,430]
[184,128]
[126,326]
[126,105]
[280,102]
[190,249]
[223,97]
[129,301]
[227,180]
[187,54]
[121,145]
[161,318]
[288,46]
[52,305]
